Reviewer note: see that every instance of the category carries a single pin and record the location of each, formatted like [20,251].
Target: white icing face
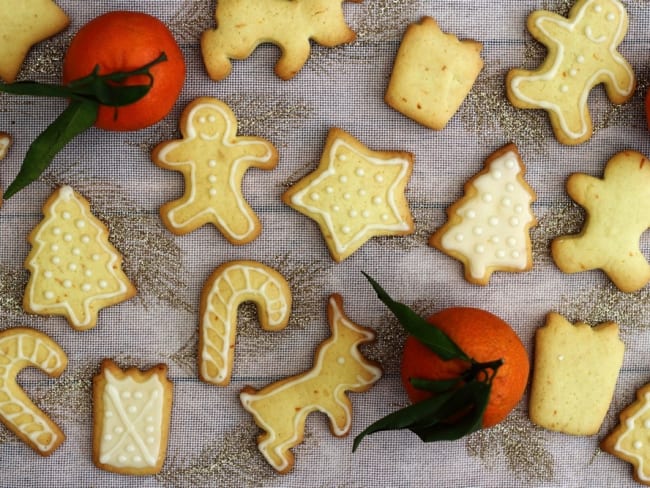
[208,123]
[133,422]
[493,230]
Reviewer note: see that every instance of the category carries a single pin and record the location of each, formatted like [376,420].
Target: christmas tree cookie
[487,229]
[75,270]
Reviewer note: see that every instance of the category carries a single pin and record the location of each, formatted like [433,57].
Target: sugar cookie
[244,24]
[21,347]
[432,74]
[575,373]
[630,440]
[281,408]
[581,54]
[618,212]
[75,270]
[354,194]
[228,286]
[131,414]
[24,23]
[488,229]
[213,160]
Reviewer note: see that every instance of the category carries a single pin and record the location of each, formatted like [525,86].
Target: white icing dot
[564,88]
[385,217]
[67,237]
[96,257]
[126,394]
[478,230]
[213,192]
[130,448]
[515,254]
[573,72]
[598,8]
[460,237]
[646,424]
[66,215]
[149,419]
[212,118]
[638,445]
[580,59]
[611,16]
[360,172]
[212,179]
[150,428]
[132,409]
[379,178]
[108,437]
[495,239]
[494,221]
[470,214]
[137,459]
[353,213]
[85,239]
[501,253]
[72,266]
[48,274]
[49,295]
[510,164]
[362,192]
[329,189]
[151,440]
[103,284]
[365,214]
[341,360]
[345,229]
[88,273]
[347,196]
[487,197]
[122,458]
[212,163]
[342,157]
[80,224]
[506,202]
[511,241]
[138,395]
[377,200]
[343,179]
[496,174]
[56,259]
[519,208]
[335,208]
[86,287]
[54,247]
[560,357]
[202,120]
[118,429]
[480,249]
[514,221]
[315,196]
[108,413]
[56,231]
[76,251]
[67,284]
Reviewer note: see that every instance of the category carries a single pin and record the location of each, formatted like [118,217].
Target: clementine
[483,337]
[125,41]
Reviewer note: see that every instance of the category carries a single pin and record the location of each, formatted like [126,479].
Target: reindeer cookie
[244,24]
[230,285]
[581,54]
[281,408]
[618,212]
[213,160]
[21,347]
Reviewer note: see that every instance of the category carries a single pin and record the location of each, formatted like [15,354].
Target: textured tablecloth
[212,439]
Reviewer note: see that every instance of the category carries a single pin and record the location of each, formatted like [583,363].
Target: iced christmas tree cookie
[488,229]
[75,270]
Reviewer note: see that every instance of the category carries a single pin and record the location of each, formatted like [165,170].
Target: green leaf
[435,386]
[428,334]
[76,118]
[36,89]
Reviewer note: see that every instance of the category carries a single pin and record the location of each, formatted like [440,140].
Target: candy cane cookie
[230,285]
[21,347]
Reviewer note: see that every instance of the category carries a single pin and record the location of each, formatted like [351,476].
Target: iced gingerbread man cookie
[75,270]
[618,212]
[230,285]
[281,408]
[213,160]
[19,348]
[488,229]
[582,53]
[354,194]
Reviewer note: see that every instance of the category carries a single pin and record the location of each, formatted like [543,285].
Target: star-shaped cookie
[213,160]
[23,23]
[582,53]
[618,208]
[354,194]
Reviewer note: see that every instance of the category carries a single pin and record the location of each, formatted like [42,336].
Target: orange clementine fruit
[126,41]
[483,337]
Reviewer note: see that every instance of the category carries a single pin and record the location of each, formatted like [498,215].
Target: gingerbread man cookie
[582,53]
[230,285]
[213,160]
[244,24]
[75,270]
[618,208]
[281,408]
[21,347]
[354,194]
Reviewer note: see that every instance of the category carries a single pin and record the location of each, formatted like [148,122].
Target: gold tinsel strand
[191,19]
[558,220]
[12,286]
